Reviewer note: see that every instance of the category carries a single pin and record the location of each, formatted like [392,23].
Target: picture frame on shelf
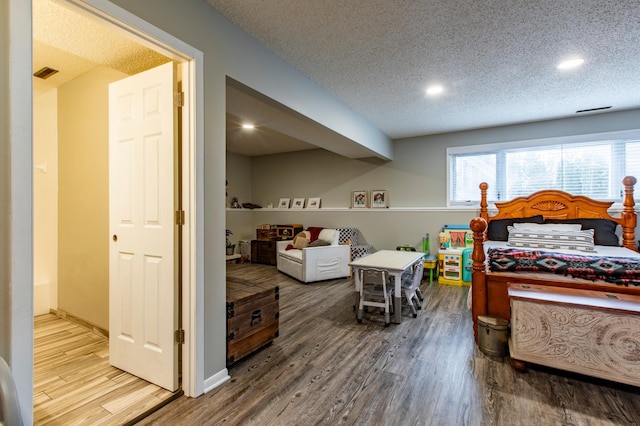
[284,203]
[359,199]
[379,199]
[298,203]
[313,203]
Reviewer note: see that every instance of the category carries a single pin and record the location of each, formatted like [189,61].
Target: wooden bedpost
[478,276]
[629,218]
[484,212]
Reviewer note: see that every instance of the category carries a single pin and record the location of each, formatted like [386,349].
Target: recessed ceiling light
[571,63]
[434,90]
[248,126]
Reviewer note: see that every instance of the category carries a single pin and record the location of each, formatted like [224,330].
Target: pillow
[328,235]
[303,235]
[300,243]
[497,229]
[604,230]
[548,226]
[318,243]
[572,240]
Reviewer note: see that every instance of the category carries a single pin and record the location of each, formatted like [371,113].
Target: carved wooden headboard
[554,204]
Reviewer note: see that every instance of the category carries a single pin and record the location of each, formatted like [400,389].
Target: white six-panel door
[142,290]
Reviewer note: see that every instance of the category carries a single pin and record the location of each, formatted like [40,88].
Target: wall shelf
[362,210]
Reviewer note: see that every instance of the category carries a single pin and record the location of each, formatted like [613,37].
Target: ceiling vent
[592,109]
[44,73]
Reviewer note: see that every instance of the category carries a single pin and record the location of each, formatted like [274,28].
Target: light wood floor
[74,383]
[325,369]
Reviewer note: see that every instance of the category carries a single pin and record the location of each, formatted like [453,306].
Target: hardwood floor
[74,383]
[326,369]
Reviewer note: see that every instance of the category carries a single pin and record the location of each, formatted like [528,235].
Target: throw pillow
[318,243]
[328,235]
[604,230]
[548,226]
[497,229]
[571,240]
[300,243]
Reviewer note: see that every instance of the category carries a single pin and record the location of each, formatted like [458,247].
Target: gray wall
[415,179]
[5,288]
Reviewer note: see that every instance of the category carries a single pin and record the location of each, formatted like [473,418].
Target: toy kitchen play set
[454,255]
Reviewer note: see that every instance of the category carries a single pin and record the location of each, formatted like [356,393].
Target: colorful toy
[456,243]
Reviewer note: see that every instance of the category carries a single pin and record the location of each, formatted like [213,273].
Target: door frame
[192,74]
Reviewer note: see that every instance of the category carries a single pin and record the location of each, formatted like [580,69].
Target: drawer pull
[256,316]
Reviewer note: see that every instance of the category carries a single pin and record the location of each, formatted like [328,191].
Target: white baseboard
[216,380]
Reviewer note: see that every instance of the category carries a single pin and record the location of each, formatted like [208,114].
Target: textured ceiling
[496,58]
[72,44]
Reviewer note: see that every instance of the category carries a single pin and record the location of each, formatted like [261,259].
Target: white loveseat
[311,264]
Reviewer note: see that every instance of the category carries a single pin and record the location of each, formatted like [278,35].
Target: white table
[395,262]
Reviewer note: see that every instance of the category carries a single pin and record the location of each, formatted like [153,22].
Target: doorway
[187,66]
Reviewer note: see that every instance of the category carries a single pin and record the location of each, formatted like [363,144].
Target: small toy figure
[234,203]
[445,239]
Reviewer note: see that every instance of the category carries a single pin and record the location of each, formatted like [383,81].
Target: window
[591,165]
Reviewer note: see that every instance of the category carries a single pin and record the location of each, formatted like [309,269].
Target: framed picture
[313,203]
[379,198]
[284,203]
[298,203]
[358,199]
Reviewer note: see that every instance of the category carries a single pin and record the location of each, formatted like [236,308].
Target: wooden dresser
[587,332]
[253,312]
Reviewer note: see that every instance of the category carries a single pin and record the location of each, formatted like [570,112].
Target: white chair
[376,292]
[411,287]
[319,263]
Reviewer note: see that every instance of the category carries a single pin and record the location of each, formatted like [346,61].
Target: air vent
[44,73]
[592,109]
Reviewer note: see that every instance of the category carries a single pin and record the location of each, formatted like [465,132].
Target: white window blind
[593,168]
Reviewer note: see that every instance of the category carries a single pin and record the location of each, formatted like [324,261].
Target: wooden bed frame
[490,290]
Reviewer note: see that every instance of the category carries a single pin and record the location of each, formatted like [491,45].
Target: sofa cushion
[293,254]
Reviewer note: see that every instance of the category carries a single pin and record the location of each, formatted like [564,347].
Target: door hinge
[179,336]
[178,99]
[180,217]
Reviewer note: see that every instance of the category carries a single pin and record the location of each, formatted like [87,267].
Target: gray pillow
[604,229]
[318,243]
[497,230]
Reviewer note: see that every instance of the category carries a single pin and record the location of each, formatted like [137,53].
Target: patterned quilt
[618,270]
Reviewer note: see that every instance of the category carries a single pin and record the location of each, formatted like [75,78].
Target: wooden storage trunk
[253,310]
[583,331]
[263,252]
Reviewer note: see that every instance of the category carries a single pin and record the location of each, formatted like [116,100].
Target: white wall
[45,202]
